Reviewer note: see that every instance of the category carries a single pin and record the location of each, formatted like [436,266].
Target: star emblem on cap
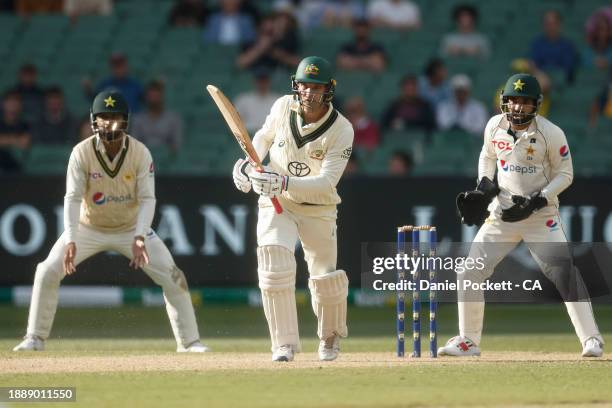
[518,85]
[110,102]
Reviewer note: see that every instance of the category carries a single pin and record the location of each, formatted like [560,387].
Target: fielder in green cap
[308,143]
[109,205]
[532,161]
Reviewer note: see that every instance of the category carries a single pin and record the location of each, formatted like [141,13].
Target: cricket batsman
[109,206]
[534,166]
[309,143]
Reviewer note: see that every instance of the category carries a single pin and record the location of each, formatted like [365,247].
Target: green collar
[112,173]
[301,141]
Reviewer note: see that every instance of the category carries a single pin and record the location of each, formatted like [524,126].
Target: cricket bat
[234,122]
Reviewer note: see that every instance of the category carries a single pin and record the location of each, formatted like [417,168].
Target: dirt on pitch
[253,361]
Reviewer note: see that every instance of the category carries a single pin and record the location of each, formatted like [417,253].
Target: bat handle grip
[277,206]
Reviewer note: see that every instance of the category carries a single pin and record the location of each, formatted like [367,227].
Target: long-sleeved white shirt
[539,160]
[115,196]
[313,156]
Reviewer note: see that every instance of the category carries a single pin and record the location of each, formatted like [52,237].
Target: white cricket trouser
[277,235]
[161,268]
[542,226]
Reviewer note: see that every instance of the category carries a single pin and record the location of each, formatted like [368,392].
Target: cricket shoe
[592,348]
[283,353]
[329,348]
[195,347]
[30,343]
[459,347]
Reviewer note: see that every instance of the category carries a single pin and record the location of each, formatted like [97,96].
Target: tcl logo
[502,145]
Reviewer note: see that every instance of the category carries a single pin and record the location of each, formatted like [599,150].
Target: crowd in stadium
[430,97]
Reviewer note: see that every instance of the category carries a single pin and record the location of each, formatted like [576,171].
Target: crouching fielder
[534,166]
[109,205]
[309,144]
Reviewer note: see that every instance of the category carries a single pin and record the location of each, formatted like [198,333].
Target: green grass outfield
[124,357]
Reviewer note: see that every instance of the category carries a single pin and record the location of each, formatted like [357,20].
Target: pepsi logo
[151,168]
[564,151]
[551,223]
[99,198]
[504,165]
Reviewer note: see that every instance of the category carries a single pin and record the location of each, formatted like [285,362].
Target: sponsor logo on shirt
[298,169]
[95,175]
[564,151]
[151,168]
[514,168]
[346,153]
[100,198]
[502,144]
[552,225]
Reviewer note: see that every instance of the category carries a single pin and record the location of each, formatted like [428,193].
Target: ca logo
[298,169]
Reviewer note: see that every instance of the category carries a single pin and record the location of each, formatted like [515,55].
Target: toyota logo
[298,169]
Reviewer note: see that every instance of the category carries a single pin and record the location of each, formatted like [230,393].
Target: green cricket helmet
[113,109]
[521,85]
[315,70]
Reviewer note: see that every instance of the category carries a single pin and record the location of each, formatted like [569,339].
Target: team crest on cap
[311,69]
[110,102]
[518,85]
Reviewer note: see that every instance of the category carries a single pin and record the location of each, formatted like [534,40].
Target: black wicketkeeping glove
[523,207]
[472,205]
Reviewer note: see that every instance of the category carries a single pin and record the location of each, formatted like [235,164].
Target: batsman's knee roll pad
[329,293]
[276,267]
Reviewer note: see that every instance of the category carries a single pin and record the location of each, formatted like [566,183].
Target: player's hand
[241,175]
[140,257]
[69,255]
[268,183]
[523,207]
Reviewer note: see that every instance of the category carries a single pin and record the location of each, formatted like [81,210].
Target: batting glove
[268,183]
[241,175]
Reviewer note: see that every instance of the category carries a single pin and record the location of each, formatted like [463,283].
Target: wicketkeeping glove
[523,207]
[241,175]
[472,205]
[268,183]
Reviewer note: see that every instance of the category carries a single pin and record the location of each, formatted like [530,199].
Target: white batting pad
[276,270]
[329,293]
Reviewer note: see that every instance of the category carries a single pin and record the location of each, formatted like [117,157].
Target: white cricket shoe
[592,348]
[283,353]
[30,343]
[459,347]
[195,347]
[329,348]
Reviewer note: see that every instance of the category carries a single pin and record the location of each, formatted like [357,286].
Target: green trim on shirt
[301,141]
[112,173]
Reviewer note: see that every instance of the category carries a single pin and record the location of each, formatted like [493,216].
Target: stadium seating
[66,52]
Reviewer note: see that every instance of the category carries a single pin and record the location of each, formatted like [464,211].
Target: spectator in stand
[341,13]
[394,14]
[409,110]
[31,94]
[188,13]
[157,126]
[433,86]
[462,111]
[367,133]
[120,79]
[598,54]
[229,26]
[362,54]
[255,105]
[76,8]
[57,125]
[465,41]
[277,45]
[550,51]
[400,164]
[84,128]
[602,106]
[29,7]
[14,132]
